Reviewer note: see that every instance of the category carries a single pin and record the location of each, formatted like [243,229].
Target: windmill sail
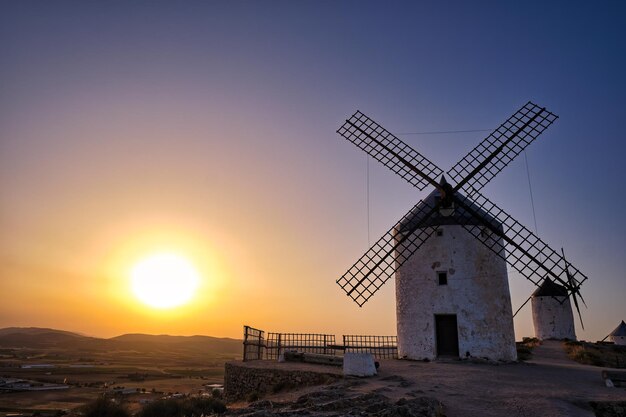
[380,262]
[498,149]
[520,247]
[508,238]
[390,151]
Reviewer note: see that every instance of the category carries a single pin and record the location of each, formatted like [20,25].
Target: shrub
[525,347]
[205,406]
[217,393]
[589,357]
[160,408]
[182,407]
[523,352]
[530,341]
[104,407]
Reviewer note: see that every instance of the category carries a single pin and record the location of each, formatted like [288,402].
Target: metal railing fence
[257,347]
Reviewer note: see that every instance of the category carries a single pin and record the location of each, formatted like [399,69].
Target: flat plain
[140,367]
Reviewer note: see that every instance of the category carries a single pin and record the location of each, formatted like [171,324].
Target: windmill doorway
[447,335]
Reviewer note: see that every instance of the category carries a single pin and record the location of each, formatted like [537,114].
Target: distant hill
[34,331]
[35,337]
[42,338]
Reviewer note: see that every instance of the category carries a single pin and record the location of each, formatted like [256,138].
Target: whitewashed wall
[553,320]
[477,292]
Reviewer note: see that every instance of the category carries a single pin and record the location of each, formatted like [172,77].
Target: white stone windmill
[552,312]
[452,297]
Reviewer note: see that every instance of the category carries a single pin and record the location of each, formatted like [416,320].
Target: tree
[104,407]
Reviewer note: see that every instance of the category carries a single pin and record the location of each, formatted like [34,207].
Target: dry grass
[604,355]
[525,348]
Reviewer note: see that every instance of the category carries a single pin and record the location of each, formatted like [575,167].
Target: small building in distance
[552,312]
[618,336]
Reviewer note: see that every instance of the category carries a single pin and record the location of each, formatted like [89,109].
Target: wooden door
[447,335]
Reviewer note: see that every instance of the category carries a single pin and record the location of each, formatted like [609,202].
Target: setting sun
[164,280]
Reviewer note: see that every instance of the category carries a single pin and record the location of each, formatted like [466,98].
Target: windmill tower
[457,290]
[452,297]
[552,312]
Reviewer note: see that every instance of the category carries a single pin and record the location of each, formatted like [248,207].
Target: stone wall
[245,380]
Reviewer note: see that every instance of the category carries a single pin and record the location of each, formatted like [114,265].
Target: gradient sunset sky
[208,129]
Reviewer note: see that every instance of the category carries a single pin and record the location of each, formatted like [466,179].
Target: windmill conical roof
[549,288]
[619,330]
[460,216]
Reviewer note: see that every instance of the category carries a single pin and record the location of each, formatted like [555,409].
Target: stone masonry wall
[477,292]
[241,380]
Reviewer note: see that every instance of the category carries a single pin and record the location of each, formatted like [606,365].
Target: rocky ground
[341,399]
[548,385]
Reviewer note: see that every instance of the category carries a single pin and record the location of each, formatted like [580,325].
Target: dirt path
[551,352]
[549,385]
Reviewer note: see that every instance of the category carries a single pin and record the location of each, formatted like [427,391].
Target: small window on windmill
[442,278]
[439,232]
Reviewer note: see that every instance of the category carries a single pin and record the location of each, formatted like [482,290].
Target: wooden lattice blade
[394,248]
[390,151]
[513,242]
[574,288]
[498,149]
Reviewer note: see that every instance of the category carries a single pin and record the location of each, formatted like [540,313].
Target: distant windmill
[552,310]
[618,336]
[454,298]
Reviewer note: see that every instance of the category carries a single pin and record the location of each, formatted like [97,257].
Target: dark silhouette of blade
[390,151]
[394,248]
[513,242]
[522,306]
[580,317]
[574,288]
[498,149]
